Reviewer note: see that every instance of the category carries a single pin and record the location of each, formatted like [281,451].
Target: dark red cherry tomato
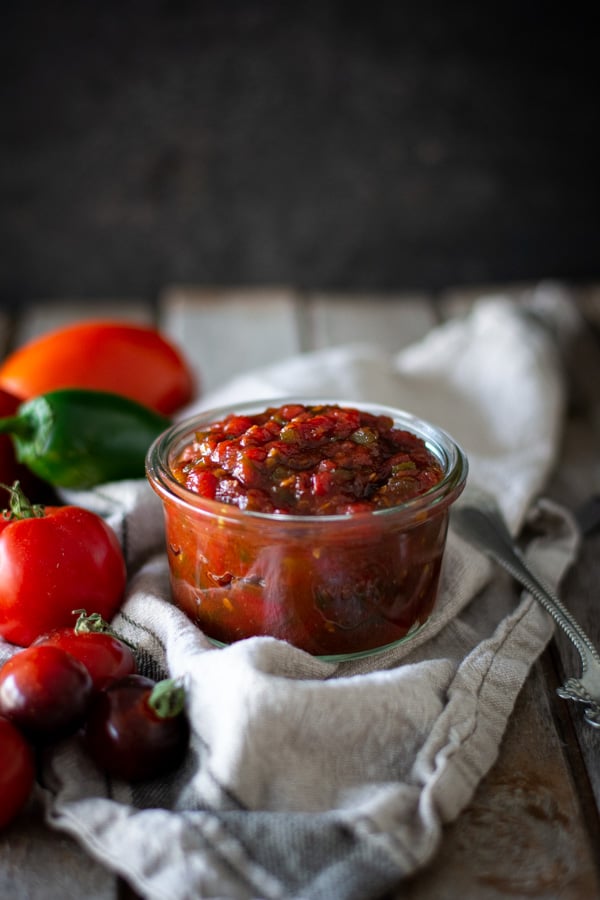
[17,771]
[137,728]
[45,692]
[105,656]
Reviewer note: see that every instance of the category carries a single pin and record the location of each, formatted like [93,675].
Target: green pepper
[76,438]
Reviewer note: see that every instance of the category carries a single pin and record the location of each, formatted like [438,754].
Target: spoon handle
[486,530]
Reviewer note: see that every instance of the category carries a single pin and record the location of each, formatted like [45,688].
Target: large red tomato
[119,357]
[54,560]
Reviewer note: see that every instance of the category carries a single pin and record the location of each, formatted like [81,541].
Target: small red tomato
[137,728]
[45,692]
[105,656]
[17,771]
[54,559]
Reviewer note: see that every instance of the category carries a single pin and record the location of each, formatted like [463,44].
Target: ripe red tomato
[53,563]
[45,692]
[119,357]
[104,655]
[17,771]
[128,737]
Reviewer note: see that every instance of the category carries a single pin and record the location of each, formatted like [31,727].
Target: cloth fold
[309,779]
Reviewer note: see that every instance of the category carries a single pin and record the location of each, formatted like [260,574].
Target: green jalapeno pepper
[76,438]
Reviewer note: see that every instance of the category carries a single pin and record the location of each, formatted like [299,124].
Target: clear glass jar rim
[439,442]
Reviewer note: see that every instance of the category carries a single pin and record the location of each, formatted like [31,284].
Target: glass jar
[337,586]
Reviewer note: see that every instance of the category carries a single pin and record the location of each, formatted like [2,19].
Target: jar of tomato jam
[318,522]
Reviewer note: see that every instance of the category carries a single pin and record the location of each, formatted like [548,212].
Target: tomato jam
[316,523]
[307,460]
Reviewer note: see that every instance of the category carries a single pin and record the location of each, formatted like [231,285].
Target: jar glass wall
[337,586]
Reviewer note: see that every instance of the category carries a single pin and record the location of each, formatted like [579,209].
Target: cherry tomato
[53,560]
[105,656]
[130,735]
[119,357]
[45,692]
[17,771]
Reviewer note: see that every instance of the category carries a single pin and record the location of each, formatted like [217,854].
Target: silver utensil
[478,520]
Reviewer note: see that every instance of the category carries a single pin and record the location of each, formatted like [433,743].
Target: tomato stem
[95,624]
[167,698]
[20,507]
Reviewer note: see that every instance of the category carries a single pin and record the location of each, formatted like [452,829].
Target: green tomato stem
[167,698]
[95,624]
[20,507]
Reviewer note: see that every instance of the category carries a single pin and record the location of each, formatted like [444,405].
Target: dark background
[323,144]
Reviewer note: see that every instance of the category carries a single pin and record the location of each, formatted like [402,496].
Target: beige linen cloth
[307,779]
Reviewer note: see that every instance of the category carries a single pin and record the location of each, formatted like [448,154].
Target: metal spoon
[479,521]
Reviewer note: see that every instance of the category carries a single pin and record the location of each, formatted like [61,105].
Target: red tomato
[45,692]
[53,563]
[119,357]
[16,771]
[127,736]
[105,656]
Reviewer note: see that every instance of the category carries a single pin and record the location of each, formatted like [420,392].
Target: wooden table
[533,827]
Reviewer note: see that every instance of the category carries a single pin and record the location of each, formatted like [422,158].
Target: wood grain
[522,835]
[389,321]
[45,316]
[225,333]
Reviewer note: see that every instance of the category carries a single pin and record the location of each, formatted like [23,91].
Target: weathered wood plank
[42,317]
[576,478]
[522,835]
[588,301]
[227,332]
[392,322]
[584,360]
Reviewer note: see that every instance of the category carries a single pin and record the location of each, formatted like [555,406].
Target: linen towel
[310,779]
